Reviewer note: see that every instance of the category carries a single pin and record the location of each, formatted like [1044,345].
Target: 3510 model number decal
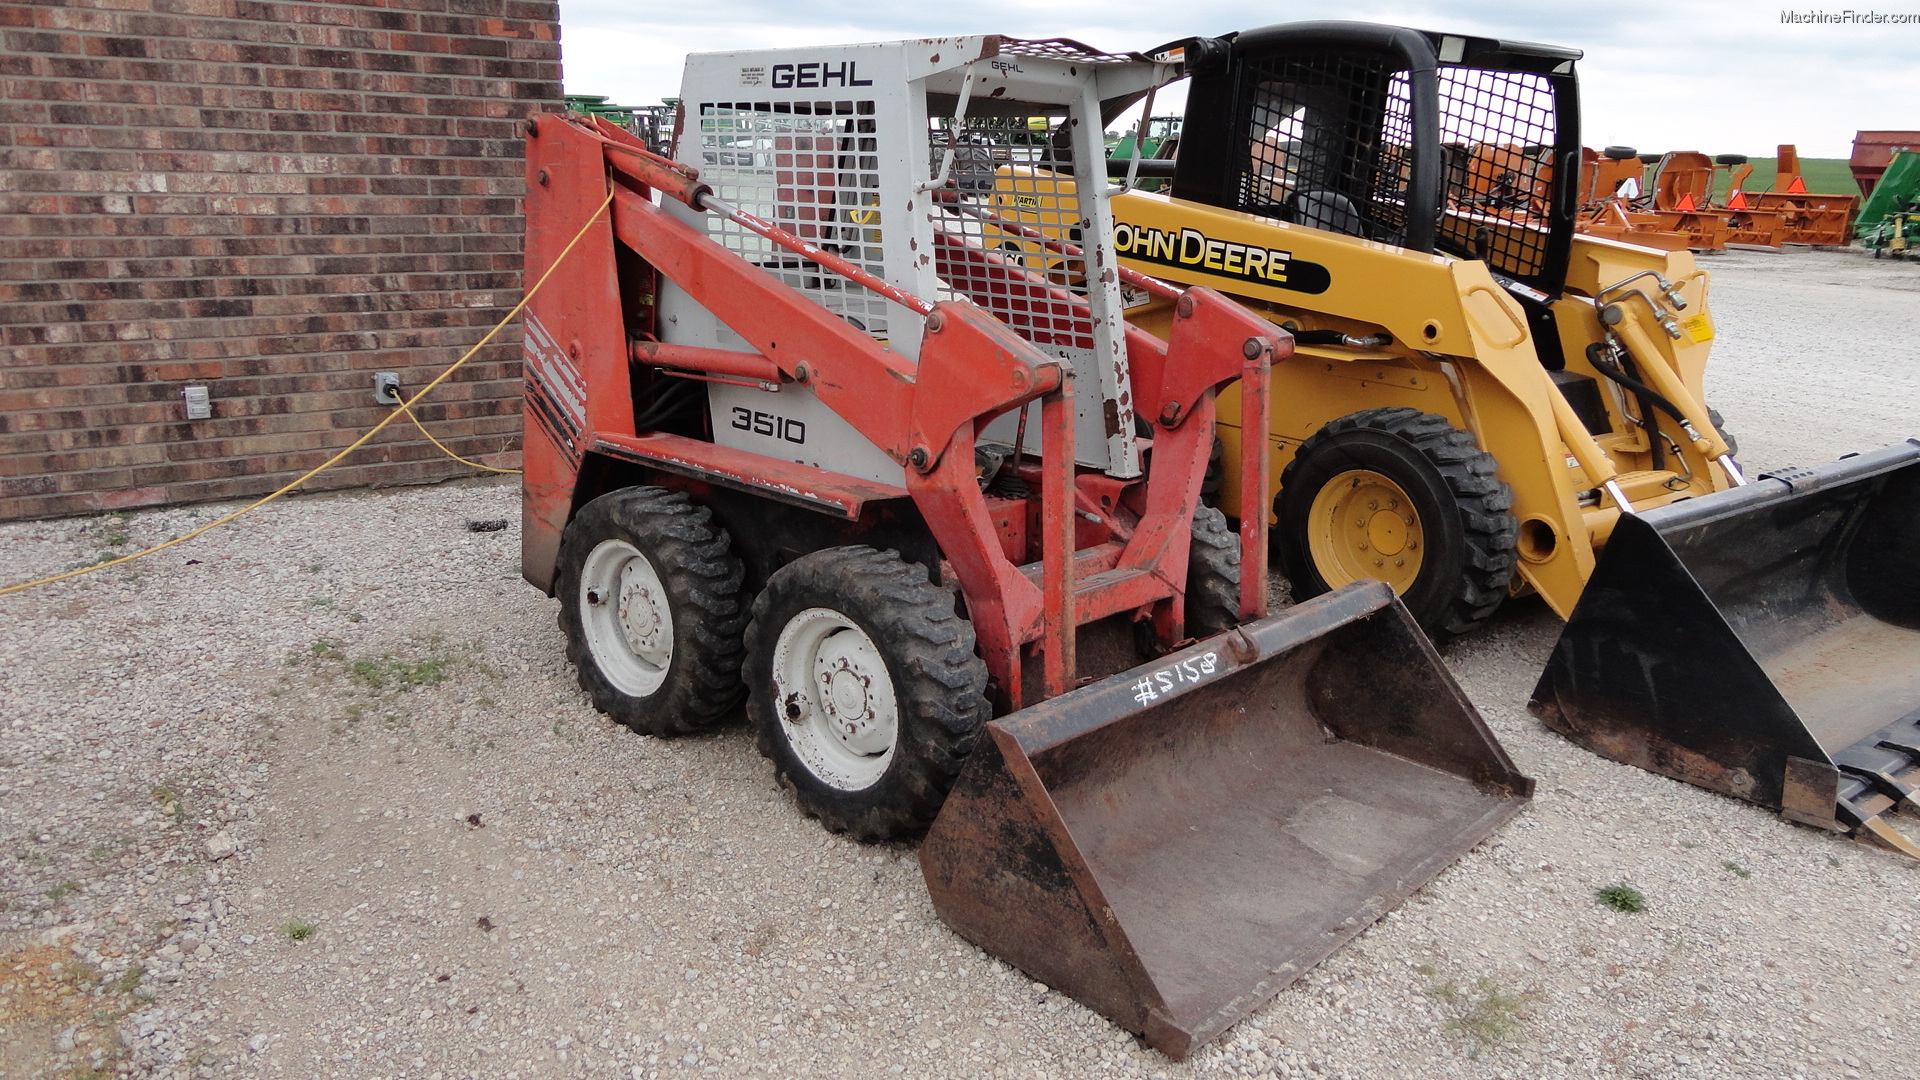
[772,425]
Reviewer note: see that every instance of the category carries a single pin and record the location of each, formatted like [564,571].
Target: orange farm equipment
[1612,205]
[1808,217]
[807,430]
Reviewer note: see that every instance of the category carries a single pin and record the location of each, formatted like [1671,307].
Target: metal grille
[1062,49]
[1497,131]
[1011,191]
[1329,139]
[813,168]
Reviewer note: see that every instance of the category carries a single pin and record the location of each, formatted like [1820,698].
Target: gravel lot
[315,796]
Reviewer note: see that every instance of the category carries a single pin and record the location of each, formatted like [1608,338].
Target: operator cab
[1433,142]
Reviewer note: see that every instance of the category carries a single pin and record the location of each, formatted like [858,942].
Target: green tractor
[1889,222]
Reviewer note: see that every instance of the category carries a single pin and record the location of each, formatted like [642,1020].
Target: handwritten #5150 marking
[1190,670]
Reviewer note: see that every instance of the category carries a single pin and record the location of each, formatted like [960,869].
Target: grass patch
[170,802]
[1623,898]
[320,648]
[1487,1014]
[386,672]
[390,673]
[103,557]
[1824,176]
[62,891]
[298,930]
[115,530]
[1736,870]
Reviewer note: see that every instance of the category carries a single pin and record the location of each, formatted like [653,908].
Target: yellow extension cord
[405,409]
[443,446]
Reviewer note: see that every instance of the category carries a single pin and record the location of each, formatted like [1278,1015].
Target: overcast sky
[1709,75]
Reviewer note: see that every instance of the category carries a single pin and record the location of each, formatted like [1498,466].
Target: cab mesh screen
[1329,143]
[1497,135]
[1329,137]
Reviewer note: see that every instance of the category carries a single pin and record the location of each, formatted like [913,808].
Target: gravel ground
[315,796]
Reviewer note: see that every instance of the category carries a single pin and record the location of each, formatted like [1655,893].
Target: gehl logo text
[818,75]
[1191,249]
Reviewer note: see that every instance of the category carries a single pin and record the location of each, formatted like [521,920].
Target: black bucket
[1763,642]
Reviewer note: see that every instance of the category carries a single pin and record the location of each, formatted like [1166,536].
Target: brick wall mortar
[271,198]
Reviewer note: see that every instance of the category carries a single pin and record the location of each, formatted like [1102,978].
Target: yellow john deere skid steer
[1481,399]
[1483,389]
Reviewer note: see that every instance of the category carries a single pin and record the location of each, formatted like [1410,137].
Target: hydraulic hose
[670,402]
[1597,356]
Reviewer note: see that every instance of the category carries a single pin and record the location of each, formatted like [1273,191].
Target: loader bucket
[1173,845]
[1763,642]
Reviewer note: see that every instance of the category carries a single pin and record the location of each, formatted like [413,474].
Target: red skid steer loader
[802,433]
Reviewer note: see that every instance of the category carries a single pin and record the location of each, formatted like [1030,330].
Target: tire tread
[1213,575]
[940,683]
[695,560]
[1484,503]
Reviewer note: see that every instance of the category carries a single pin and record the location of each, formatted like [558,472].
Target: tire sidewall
[869,812]
[1363,448]
[619,516]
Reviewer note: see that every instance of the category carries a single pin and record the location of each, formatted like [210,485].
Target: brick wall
[270,199]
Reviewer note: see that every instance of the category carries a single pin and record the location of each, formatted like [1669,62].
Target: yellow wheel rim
[1362,525]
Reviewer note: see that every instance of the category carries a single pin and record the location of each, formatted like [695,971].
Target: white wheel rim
[836,701]
[629,623]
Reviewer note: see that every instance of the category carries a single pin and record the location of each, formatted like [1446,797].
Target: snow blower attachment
[1762,642]
[813,424]
[1174,845]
